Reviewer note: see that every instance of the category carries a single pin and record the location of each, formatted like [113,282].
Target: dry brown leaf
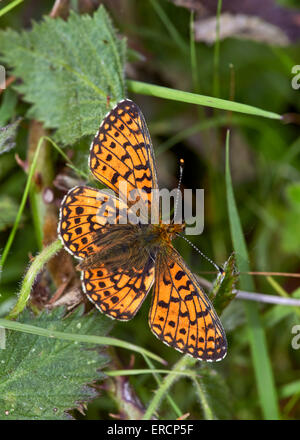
[240,26]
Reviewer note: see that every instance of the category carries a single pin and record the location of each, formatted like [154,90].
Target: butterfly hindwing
[118,294]
[181,315]
[84,214]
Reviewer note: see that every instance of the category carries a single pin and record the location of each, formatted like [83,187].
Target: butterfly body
[126,246]
[121,260]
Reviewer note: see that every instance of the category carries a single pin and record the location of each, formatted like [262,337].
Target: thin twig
[259,297]
[265,274]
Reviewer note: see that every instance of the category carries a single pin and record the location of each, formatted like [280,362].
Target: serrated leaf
[223,290]
[69,71]
[7,136]
[41,378]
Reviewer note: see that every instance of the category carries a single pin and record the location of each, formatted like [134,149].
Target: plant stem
[208,414]
[22,205]
[193,54]
[158,380]
[37,265]
[9,7]
[174,34]
[216,78]
[167,382]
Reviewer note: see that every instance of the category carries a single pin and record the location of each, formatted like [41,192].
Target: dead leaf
[240,26]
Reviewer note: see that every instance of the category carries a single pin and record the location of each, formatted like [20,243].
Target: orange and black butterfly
[120,260]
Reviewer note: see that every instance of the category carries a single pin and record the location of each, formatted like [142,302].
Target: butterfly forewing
[181,315]
[122,153]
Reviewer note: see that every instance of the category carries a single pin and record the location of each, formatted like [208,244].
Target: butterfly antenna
[181,161]
[216,266]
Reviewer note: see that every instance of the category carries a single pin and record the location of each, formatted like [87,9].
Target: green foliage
[261,359]
[277,313]
[67,74]
[213,393]
[41,378]
[7,109]
[8,211]
[223,290]
[69,70]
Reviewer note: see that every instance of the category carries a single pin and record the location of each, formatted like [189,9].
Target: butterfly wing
[122,152]
[118,294]
[181,315]
[84,214]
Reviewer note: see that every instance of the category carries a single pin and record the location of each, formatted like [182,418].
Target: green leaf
[8,211]
[41,378]
[69,70]
[293,194]
[7,136]
[223,290]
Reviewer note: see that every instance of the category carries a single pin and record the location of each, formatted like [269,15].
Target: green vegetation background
[265,170]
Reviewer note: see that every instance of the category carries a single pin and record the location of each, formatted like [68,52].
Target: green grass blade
[9,7]
[193,98]
[261,361]
[158,380]
[27,191]
[181,366]
[216,77]
[22,205]
[173,32]
[205,124]
[193,54]
[207,411]
[89,339]
[138,371]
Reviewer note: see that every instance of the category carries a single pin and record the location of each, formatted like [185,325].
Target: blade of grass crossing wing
[261,361]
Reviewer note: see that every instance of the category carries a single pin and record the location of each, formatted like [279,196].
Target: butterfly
[121,260]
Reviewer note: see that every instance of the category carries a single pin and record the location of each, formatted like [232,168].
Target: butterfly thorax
[164,233]
[129,245]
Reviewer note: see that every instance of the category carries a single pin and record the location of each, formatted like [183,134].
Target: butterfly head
[166,232]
